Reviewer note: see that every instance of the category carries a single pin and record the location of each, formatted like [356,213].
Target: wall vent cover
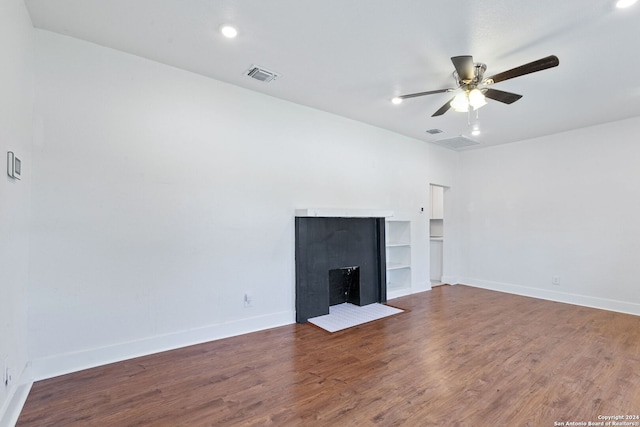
[261,74]
[457,142]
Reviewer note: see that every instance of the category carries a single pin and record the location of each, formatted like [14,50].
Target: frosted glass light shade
[476,99]
[460,103]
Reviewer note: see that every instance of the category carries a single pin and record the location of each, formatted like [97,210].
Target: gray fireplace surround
[339,259]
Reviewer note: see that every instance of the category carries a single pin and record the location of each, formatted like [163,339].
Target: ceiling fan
[469,77]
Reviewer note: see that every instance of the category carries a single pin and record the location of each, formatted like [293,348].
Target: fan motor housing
[478,73]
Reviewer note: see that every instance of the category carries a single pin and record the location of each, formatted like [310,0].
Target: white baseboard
[404,292]
[61,364]
[450,280]
[397,293]
[10,411]
[421,287]
[575,299]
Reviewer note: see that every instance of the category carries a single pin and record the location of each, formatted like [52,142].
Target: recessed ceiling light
[396,100]
[621,4]
[229,31]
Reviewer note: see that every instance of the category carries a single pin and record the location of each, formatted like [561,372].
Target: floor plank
[458,356]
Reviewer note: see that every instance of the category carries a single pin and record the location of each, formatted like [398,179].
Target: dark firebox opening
[344,285]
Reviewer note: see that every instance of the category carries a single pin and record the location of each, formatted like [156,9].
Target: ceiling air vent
[261,74]
[457,142]
[434,131]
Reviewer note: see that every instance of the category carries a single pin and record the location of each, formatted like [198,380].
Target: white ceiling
[350,57]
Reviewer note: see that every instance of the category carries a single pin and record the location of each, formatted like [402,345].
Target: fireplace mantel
[343,213]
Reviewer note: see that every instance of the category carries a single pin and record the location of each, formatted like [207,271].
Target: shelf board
[397,266]
[397,245]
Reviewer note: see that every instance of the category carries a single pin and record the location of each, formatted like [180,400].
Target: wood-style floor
[459,357]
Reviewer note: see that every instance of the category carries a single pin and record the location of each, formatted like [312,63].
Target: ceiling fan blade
[464,67]
[430,92]
[539,65]
[501,96]
[443,109]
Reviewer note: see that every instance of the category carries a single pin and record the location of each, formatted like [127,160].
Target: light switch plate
[14,165]
[10,162]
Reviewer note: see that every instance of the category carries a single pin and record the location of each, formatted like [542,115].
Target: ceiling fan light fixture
[477,99]
[469,75]
[621,4]
[460,103]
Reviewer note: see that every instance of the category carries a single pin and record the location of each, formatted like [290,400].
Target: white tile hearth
[343,316]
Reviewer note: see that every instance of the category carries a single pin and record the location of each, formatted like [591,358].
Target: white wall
[16,104]
[564,205]
[160,197]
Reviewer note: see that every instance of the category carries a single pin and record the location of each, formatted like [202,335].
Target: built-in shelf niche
[398,257]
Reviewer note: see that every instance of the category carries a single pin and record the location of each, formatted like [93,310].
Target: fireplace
[338,260]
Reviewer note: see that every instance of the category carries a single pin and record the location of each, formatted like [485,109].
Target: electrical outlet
[555,280]
[248,300]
